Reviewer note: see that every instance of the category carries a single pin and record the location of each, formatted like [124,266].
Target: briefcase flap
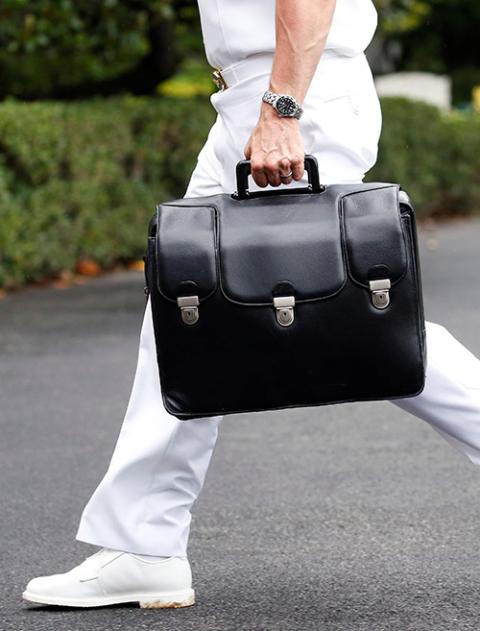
[305,245]
[291,246]
[186,246]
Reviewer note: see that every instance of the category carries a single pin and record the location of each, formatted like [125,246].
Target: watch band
[285,105]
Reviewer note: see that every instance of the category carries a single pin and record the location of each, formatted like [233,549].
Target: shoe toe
[47,586]
[38,585]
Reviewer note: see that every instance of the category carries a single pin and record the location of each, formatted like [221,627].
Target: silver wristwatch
[285,104]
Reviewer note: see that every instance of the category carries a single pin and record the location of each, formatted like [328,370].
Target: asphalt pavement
[353,517]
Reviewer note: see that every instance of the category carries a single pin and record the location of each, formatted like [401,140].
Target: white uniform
[233,29]
[159,464]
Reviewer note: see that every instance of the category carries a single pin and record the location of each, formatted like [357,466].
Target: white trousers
[159,463]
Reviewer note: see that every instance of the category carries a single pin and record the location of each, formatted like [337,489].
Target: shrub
[434,156]
[81,179]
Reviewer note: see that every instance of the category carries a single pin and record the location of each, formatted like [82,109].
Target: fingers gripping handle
[243,170]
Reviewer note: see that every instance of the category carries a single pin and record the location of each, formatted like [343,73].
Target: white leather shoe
[109,577]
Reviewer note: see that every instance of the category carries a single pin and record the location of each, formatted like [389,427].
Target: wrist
[285,88]
[269,113]
[285,105]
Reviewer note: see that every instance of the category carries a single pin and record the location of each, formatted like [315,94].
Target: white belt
[246,68]
[254,65]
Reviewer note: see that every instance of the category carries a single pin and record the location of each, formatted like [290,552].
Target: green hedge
[434,156]
[81,180]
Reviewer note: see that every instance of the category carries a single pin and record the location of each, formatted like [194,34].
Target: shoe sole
[165,600]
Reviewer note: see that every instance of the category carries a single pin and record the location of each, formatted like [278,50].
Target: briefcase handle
[243,170]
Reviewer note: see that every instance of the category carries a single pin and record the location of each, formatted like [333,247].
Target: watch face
[286,106]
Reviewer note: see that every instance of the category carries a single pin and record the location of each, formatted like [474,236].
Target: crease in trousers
[158,467]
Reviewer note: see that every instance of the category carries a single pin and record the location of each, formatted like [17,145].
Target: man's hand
[275,149]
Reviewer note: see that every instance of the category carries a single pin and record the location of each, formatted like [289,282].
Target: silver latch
[189,308]
[379,291]
[284,309]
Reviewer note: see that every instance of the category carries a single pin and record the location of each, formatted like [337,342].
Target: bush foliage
[434,156]
[81,179]
[62,49]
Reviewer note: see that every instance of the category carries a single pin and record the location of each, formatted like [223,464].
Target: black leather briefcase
[286,298]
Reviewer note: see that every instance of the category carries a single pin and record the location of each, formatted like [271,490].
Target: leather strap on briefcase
[296,297]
